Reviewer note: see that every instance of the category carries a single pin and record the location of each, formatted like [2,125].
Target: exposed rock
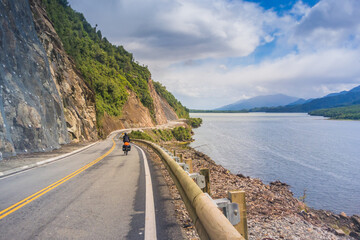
[278,183]
[77,98]
[355,235]
[135,114]
[241,175]
[31,112]
[356,220]
[339,232]
[110,124]
[168,110]
[159,111]
[27,116]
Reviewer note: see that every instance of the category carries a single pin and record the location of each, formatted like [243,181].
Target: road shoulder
[167,225]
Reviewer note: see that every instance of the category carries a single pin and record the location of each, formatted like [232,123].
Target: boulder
[355,235]
[339,232]
[356,220]
[343,215]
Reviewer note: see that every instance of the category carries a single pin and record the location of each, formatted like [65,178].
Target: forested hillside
[349,112]
[109,70]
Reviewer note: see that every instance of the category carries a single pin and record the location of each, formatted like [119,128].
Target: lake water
[306,152]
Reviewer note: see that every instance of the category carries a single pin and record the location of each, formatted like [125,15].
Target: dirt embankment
[273,212]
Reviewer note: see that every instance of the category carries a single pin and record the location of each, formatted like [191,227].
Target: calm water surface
[312,153]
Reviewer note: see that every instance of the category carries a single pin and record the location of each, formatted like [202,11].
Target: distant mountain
[344,98]
[335,94]
[355,89]
[300,101]
[260,101]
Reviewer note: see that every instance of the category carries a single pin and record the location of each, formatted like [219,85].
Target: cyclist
[126,138]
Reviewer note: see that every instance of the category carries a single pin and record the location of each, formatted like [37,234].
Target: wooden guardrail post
[181,158]
[239,198]
[189,163]
[206,172]
[174,152]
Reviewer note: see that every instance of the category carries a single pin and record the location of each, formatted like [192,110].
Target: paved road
[103,200]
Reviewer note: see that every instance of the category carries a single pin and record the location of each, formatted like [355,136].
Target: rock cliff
[134,114]
[31,112]
[77,98]
[163,111]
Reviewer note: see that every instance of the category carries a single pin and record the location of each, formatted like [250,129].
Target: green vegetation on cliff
[109,70]
[349,112]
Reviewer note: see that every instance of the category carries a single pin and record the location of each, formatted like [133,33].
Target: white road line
[150,221]
[14,174]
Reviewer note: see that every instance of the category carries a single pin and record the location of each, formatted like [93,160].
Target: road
[98,193]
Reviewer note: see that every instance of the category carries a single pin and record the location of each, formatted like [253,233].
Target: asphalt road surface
[98,193]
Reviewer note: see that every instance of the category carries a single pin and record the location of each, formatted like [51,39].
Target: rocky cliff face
[163,111]
[77,98]
[135,115]
[31,112]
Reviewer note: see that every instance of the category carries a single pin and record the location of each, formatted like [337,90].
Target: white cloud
[180,30]
[300,9]
[330,23]
[301,75]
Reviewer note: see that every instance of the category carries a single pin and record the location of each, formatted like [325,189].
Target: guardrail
[209,221]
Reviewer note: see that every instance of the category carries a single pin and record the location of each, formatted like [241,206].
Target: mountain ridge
[260,101]
[344,98]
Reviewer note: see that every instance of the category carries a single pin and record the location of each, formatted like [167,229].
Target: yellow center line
[38,194]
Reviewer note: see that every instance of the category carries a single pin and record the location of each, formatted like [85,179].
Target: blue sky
[210,53]
[281,6]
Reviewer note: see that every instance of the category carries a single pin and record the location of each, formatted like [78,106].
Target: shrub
[194,122]
[164,135]
[182,134]
[140,135]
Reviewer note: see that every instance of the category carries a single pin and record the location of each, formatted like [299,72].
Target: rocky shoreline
[273,211]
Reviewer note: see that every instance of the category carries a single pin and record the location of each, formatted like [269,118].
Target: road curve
[98,193]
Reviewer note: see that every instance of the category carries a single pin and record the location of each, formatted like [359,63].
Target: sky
[211,53]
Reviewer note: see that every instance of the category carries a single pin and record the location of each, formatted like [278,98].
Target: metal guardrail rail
[209,221]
